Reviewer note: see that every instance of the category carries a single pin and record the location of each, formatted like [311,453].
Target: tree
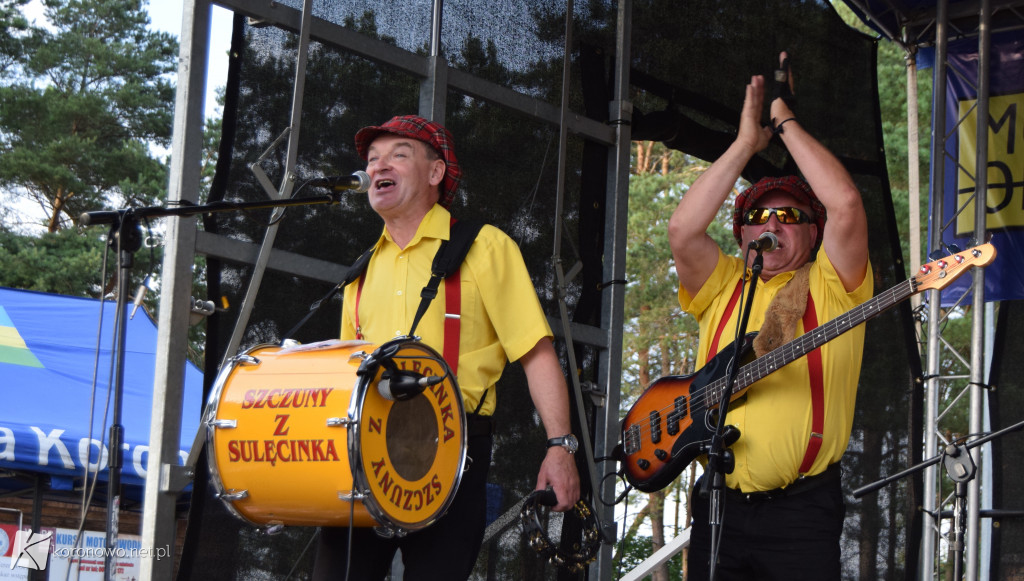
[14,25]
[64,262]
[659,339]
[92,97]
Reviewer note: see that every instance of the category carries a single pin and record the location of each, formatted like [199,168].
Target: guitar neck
[804,344]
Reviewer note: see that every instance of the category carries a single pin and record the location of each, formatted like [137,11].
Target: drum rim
[359,478]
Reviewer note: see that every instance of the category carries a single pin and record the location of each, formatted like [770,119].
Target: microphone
[766,242]
[358,182]
[397,385]
[139,295]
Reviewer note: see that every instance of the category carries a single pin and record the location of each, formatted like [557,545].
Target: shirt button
[399,293]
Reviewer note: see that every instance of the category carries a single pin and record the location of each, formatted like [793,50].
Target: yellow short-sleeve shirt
[774,418]
[501,316]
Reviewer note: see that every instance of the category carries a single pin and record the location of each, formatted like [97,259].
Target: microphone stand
[720,458]
[188,209]
[125,235]
[961,469]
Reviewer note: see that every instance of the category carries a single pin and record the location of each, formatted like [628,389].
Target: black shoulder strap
[453,251]
[353,272]
[447,261]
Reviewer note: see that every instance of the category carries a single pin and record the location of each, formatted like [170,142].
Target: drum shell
[291,427]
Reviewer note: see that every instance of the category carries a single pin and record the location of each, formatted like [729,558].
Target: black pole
[720,459]
[125,236]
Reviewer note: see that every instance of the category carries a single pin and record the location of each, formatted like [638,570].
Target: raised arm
[846,234]
[696,253]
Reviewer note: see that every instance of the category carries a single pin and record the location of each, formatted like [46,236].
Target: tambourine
[583,552]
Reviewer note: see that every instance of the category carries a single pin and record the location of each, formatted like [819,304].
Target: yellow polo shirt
[774,418]
[501,316]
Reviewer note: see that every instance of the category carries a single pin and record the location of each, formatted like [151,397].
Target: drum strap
[446,266]
[351,274]
[447,261]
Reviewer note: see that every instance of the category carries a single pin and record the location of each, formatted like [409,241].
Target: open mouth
[385,183]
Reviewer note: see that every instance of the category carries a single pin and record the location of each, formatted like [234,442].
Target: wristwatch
[568,441]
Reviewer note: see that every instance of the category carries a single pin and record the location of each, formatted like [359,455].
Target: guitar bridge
[631,439]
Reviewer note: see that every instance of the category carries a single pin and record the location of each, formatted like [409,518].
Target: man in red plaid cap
[783,501]
[414,175]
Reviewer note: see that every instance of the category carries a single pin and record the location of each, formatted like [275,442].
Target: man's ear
[437,172]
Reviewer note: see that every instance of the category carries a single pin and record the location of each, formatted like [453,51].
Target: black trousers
[784,537]
[444,551]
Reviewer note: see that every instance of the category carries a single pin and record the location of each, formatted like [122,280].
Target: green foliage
[658,338]
[633,550]
[65,262]
[91,98]
[14,25]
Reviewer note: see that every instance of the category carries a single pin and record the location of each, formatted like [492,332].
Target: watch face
[571,443]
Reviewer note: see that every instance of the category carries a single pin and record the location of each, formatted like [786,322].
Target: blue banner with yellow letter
[1004,199]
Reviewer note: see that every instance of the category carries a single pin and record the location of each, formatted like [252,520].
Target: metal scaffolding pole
[165,479]
[930,522]
[963,550]
[978,371]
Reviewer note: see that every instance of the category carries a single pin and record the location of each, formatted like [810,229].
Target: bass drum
[302,436]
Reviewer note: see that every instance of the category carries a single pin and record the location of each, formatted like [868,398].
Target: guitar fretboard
[804,344]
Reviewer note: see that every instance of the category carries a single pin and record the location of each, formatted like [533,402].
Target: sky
[165,15]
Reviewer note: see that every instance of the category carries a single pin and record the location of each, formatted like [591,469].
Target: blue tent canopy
[48,353]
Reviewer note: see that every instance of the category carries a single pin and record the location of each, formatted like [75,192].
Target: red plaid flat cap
[433,134]
[792,185]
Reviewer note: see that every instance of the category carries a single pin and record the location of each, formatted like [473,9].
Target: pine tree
[90,95]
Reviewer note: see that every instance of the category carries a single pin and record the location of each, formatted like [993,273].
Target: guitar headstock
[939,273]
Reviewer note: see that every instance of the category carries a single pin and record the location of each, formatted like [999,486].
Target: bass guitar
[673,421]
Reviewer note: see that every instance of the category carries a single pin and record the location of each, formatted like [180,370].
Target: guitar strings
[710,394]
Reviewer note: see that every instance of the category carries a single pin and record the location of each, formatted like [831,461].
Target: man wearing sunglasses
[783,503]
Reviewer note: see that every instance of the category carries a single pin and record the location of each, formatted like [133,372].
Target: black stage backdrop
[690,62]
[1006,410]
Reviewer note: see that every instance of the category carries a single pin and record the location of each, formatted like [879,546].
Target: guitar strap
[713,348]
[814,368]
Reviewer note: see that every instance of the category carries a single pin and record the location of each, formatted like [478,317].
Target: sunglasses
[758,216]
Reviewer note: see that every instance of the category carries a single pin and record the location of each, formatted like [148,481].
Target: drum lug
[233,496]
[342,422]
[245,360]
[223,423]
[385,532]
[351,495]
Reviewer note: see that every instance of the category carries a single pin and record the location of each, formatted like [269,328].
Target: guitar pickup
[673,417]
[655,417]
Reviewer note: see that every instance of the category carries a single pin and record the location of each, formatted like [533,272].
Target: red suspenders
[816,372]
[452,318]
